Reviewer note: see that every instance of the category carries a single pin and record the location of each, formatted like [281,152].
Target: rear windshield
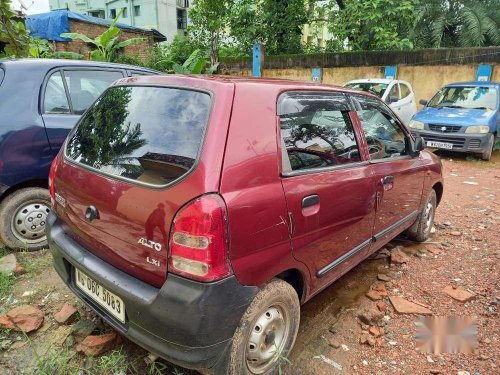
[147,134]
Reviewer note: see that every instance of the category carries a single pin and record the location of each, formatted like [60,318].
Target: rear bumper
[186,322]
[474,143]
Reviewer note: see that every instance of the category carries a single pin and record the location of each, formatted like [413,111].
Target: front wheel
[421,230]
[486,155]
[267,331]
[23,216]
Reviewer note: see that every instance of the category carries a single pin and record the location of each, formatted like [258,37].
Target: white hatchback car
[396,93]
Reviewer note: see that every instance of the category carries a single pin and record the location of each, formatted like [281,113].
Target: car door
[407,106]
[67,93]
[329,192]
[399,177]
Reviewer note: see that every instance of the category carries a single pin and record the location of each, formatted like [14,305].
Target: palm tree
[453,23]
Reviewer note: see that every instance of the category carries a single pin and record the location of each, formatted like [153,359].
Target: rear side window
[147,134]
[85,86]
[316,131]
[405,90]
[55,100]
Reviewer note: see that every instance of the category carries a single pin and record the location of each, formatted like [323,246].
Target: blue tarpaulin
[52,24]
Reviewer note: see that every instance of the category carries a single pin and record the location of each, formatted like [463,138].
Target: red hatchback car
[195,215]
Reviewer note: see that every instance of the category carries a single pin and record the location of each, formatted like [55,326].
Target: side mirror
[419,145]
[423,102]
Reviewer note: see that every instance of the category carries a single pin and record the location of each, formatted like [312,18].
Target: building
[169,17]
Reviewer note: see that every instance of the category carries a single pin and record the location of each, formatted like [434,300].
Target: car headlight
[478,129]
[414,124]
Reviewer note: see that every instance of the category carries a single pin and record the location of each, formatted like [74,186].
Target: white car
[396,93]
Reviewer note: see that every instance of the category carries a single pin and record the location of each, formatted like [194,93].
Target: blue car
[40,102]
[463,117]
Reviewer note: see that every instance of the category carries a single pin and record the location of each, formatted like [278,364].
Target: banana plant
[195,64]
[107,44]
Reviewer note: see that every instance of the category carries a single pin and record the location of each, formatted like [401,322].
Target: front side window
[383,133]
[470,97]
[85,86]
[316,131]
[55,100]
[148,134]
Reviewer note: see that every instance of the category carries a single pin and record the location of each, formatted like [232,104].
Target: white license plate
[109,301]
[447,146]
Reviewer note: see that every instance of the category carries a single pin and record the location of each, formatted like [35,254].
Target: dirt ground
[463,254]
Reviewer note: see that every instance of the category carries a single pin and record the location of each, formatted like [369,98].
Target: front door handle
[310,200]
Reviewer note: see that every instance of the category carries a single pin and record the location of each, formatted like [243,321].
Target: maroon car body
[306,226]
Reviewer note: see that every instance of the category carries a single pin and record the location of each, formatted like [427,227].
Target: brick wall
[142,49]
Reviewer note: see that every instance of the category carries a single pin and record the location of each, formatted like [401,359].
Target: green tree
[103,137]
[209,23]
[13,35]
[107,44]
[455,23]
[277,24]
[372,24]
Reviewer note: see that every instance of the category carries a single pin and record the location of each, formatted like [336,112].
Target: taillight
[52,175]
[199,240]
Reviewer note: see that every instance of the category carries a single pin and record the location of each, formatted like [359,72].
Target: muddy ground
[463,254]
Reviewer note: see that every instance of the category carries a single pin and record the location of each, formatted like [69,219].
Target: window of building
[137,10]
[316,131]
[125,13]
[181,19]
[97,13]
[112,13]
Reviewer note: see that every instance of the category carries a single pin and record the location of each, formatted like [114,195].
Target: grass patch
[57,362]
[6,284]
[33,264]
[113,363]
[4,251]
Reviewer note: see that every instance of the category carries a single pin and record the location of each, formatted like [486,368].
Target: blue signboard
[316,75]
[484,73]
[391,72]
[257,60]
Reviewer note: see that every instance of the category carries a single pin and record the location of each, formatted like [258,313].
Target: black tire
[277,301]
[486,155]
[30,206]
[420,231]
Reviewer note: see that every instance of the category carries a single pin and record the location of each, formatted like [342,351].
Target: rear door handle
[310,200]
[388,182]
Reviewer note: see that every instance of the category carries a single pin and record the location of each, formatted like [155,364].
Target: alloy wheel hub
[28,224]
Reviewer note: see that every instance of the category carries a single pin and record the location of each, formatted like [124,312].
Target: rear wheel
[23,216]
[421,230]
[267,331]
[486,155]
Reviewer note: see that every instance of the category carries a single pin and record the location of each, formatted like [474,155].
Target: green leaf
[198,66]
[67,55]
[83,37]
[97,55]
[212,69]
[128,42]
[107,36]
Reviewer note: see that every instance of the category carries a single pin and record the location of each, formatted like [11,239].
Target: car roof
[46,64]
[473,83]
[203,80]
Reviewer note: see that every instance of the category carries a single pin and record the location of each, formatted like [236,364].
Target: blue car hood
[454,116]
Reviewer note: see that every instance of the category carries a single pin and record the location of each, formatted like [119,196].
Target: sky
[34,6]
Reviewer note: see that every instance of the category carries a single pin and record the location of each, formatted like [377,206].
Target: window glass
[137,10]
[112,13]
[383,134]
[371,87]
[148,134]
[316,131]
[124,12]
[2,74]
[405,90]
[471,97]
[55,100]
[85,86]
[393,94]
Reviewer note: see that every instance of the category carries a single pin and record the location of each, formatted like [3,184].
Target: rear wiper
[451,106]
[489,109]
